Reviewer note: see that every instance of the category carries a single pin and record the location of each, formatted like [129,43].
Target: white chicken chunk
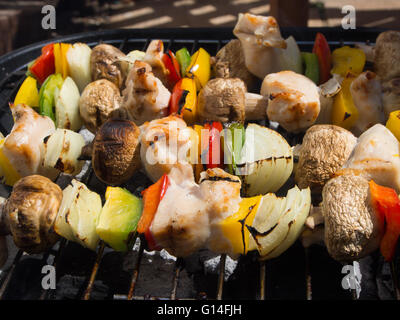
[366,91]
[153,57]
[293,100]
[164,143]
[187,212]
[145,97]
[260,36]
[376,155]
[24,146]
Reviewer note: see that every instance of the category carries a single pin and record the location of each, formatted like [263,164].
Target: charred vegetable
[119,218]
[100,101]
[106,63]
[78,215]
[116,151]
[31,211]
[62,150]
[266,161]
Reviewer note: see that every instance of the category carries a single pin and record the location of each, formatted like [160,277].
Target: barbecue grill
[297,274]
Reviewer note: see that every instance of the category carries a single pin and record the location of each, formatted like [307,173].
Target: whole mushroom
[387,55]
[227,99]
[30,212]
[324,151]
[230,63]
[100,100]
[116,151]
[352,227]
[106,63]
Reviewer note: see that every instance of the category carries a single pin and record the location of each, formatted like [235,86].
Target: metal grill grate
[289,276]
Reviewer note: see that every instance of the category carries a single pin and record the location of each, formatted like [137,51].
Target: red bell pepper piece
[172,65]
[323,52]
[44,65]
[387,204]
[178,99]
[151,199]
[215,154]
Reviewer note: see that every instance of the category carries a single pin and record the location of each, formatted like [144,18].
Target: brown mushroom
[387,55]
[30,212]
[116,151]
[106,63]
[324,150]
[100,101]
[391,96]
[230,63]
[226,99]
[352,228]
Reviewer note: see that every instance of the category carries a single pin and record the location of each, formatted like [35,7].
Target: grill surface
[297,274]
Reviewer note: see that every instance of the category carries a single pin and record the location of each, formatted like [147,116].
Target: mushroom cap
[387,55]
[352,228]
[105,63]
[230,63]
[116,151]
[31,210]
[391,96]
[100,100]
[222,99]
[324,150]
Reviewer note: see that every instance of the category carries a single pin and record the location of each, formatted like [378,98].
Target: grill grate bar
[308,274]
[4,286]
[395,280]
[135,273]
[175,280]
[221,276]
[89,287]
[262,279]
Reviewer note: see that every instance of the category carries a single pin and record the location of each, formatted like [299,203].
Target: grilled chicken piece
[184,218]
[293,100]
[366,91]
[145,98]
[153,57]
[377,156]
[259,37]
[24,146]
[164,143]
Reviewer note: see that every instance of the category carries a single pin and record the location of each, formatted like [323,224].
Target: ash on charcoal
[208,262]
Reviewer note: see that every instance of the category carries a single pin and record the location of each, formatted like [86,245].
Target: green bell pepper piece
[48,93]
[310,61]
[183,57]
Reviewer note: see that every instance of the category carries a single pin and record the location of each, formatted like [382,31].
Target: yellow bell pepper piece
[60,59]
[189,111]
[28,93]
[7,172]
[347,59]
[344,112]
[65,68]
[234,227]
[393,123]
[199,68]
